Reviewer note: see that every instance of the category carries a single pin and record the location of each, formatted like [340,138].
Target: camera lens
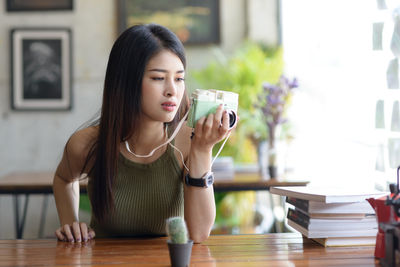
[232,118]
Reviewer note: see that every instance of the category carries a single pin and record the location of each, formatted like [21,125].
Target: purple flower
[293,84]
[274,102]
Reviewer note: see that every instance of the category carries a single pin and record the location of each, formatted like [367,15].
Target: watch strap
[205,181]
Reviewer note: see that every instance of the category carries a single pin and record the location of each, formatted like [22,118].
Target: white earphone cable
[174,147]
[183,160]
[168,141]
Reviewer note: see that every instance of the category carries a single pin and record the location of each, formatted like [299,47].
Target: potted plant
[179,244]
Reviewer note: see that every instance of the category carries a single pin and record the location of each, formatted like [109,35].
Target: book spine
[299,218]
[298,203]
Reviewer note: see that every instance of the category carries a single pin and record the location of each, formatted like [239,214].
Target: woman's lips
[168,106]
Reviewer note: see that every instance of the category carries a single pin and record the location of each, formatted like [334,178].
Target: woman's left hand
[209,130]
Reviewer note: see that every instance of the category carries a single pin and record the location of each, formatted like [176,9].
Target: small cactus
[176,230]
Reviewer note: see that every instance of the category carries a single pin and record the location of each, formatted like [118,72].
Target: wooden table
[285,249]
[41,183]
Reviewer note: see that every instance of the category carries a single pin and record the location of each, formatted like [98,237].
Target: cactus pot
[180,253]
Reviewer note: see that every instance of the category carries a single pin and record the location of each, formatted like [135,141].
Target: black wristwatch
[206,181]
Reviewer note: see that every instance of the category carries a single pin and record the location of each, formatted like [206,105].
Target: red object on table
[385,214]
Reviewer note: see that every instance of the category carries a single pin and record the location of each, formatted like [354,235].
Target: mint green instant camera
[204,102]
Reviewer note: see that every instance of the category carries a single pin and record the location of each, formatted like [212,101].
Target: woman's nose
[170,88]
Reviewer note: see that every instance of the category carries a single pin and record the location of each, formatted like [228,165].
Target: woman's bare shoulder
[75,155]
[81,141]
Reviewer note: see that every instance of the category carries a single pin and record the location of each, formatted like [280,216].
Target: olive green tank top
[145,196]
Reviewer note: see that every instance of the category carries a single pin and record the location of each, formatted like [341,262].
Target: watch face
[206,181]
[210,180]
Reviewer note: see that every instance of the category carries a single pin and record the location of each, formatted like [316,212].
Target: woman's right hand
[77,232]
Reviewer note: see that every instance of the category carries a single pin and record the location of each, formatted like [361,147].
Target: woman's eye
[180,79]
[157,78]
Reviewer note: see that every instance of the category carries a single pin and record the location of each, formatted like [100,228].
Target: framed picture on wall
[41,69]
[193,21]
[38,5]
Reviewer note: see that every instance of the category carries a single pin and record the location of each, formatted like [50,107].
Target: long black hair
[121,106]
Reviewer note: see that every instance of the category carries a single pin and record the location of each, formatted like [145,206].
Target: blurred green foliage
[84,203]
[244,73]
[235,212]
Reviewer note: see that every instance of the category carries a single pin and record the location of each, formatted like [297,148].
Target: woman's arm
[199,202]
[66,189]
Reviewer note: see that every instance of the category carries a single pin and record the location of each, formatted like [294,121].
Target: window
[346,113]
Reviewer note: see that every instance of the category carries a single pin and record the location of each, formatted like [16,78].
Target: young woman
[144,98]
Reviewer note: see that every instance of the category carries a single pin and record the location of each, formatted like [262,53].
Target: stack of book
[223,168]
[331,216]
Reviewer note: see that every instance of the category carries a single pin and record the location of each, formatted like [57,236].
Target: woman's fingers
[60,236]
[67,232]
[76,229]
[225,123]
[218,116]
[198,130]
[208,124]
[91,234]
[77,232]
[211,128]
[84,231]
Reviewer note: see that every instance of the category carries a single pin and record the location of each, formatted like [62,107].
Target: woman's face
[163,86]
